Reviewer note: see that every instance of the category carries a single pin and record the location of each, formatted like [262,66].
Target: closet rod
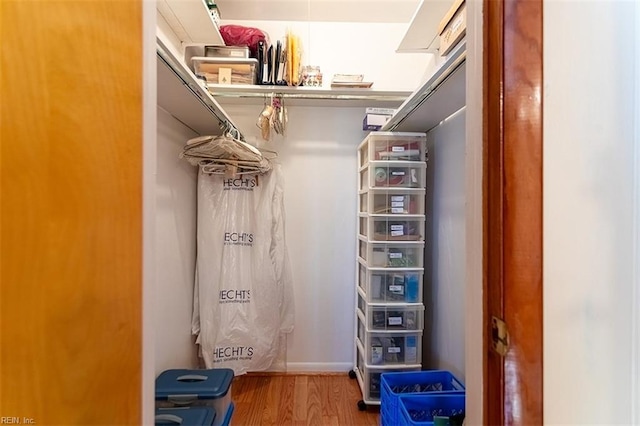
[317,95]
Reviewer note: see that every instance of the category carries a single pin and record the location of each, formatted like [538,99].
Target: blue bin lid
[201,384]
[186,416]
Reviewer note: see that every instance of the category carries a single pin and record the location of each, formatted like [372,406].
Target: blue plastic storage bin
[185,416]
[227,419]
[420,409]
[413,382]
[181,388]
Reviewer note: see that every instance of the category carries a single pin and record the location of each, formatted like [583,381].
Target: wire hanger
[225,154]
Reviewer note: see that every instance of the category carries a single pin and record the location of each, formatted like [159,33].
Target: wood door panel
[71,209]
[523,206]
[513,209]
[493,209]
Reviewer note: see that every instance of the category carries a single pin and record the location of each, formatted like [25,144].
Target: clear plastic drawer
[370,377]
[392,202]
[392,316]
[390,228]
[393,175]
[392,255]
[390,348]
[393,146]
[382,286]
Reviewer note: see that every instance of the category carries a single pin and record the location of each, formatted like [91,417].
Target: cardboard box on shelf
[453,26]
[374,121]
[226,70]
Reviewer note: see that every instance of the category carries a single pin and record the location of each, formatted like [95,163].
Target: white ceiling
[393,11]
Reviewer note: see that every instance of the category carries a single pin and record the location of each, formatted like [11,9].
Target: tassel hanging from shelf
[273,116]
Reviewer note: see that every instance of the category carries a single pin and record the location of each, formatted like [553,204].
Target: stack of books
[350,81]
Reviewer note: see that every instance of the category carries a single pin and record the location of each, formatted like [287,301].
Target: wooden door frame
[512,208]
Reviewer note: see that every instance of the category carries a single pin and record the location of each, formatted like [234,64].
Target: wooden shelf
[191,21]
[422,34]
[181,95]
[439,97]
[308,96]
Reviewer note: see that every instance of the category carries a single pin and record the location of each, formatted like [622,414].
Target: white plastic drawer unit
[392,317]
[390,348]
[387,174]
[390,146]
[390,228]
[392,201]
[392,255]
[389,286]
[369,376]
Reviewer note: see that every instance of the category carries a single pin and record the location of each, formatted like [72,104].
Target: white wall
[588,211]
[319,10]
[175,247]
[353,48]
[318,157]
[319,162]
[444,345]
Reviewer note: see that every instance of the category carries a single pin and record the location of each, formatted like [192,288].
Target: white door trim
[474,350]
[635,356]
[149,136]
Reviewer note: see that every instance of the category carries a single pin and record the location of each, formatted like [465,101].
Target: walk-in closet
[320,212]
[419,92]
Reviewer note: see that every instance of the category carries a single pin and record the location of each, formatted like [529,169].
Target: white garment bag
[243,303]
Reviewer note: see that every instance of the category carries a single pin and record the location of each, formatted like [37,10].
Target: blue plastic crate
[413,382]
[185,416]
[420,409]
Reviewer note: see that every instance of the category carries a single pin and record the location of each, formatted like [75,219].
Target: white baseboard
[635,360]
[320,367]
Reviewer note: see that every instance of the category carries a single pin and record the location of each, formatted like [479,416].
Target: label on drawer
[395,320]
[397,203]
[397,148]
[398,289]
[397,210]
[400,173]
[394,350]
[397,230]
[395,255]
[397,198]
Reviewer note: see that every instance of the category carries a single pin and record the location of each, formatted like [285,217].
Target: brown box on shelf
[453,26]
[226,70]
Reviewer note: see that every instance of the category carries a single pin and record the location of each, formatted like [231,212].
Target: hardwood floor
[287,399]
